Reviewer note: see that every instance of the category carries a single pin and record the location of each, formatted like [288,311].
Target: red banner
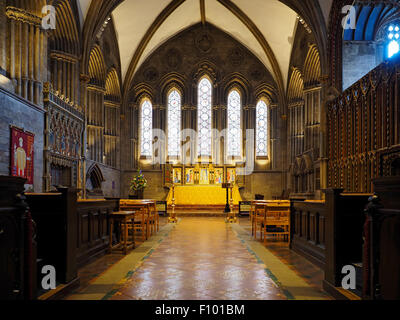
[22,154]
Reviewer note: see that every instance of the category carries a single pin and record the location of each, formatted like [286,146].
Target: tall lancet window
[261,129]
[204,114]
[234,145]
[146,128]
[174,123]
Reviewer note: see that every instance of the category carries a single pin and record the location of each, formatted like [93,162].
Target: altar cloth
[203,195]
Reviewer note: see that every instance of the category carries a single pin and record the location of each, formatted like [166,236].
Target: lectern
[230,217]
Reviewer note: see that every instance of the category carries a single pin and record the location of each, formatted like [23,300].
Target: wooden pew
[93,228]
[308,230]
[17,253]
[381,261]
[56,227]
[70,232]
[344,236]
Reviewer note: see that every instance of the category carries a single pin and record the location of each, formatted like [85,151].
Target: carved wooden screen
[363,123]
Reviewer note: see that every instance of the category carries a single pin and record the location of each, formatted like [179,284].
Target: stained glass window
[204,110]
[146,127]
[261,129]
[393,36]
[174,124]
[234,147]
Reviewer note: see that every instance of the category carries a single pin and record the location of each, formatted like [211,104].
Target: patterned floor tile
[206,259]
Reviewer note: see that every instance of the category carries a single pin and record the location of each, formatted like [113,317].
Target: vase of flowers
[138,184]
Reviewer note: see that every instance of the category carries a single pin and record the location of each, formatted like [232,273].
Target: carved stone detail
[236,57]
[173,58]
[151,74]
[204,42]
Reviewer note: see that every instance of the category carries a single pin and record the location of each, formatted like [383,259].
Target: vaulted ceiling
[265,27]
[275,21]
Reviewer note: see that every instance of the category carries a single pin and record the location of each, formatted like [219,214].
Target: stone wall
[111,187]
[17,112]
[269,184]
[155,189]
[359,58]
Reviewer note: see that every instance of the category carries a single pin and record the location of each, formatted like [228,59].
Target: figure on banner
[20,159]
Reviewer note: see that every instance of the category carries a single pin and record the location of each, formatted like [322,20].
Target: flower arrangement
[138,183]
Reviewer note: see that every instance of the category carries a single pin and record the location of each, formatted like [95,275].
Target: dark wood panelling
[344,233]
[308,230]
[363,130]
[55,217]
[93,232]
[12,239]
[381,261]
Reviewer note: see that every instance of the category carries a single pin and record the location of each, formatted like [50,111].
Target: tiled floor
[95,269]
[312,274]
[206,259]
[201,259]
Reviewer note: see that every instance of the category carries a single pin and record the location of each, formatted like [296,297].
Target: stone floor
[202,258]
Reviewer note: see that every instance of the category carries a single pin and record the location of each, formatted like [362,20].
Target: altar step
[201,210]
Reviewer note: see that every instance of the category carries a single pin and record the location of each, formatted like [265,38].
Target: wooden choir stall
[59,230]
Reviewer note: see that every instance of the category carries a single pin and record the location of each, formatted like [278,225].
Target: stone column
[323,151]
[84,80]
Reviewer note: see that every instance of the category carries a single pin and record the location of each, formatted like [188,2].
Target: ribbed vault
[266,28]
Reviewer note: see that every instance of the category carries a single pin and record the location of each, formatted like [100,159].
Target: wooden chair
[150,222]
[252,214]
[142,220]
[154,217]
[252,209]
[258,218]
[277,214]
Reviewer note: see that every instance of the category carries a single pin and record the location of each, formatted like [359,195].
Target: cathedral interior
[208,149]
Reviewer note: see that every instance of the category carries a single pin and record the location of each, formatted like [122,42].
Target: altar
[203,195]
